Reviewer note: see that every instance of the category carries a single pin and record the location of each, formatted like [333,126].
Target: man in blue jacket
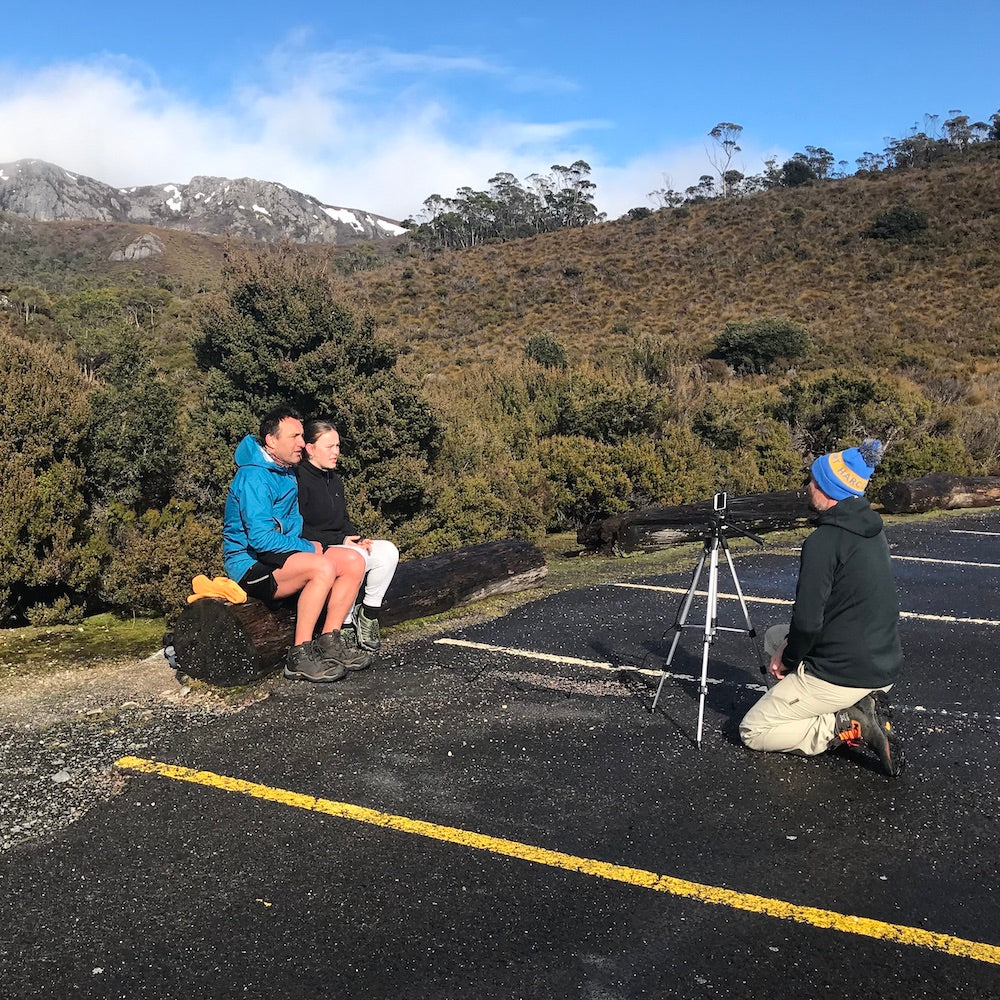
[842,648]
[266,554]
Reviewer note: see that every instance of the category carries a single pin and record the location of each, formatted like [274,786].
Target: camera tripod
[715,539]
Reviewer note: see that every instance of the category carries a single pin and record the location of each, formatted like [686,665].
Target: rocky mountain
[261,210]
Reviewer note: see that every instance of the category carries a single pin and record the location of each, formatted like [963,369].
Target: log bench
[940,491]
[230,644]
[652,528]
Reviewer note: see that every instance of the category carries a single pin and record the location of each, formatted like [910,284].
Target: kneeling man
[842,648]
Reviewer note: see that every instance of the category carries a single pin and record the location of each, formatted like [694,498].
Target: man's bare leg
[349,571]
[311,576]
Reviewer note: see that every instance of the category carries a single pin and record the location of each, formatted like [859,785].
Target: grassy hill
[678,276]
[673,278]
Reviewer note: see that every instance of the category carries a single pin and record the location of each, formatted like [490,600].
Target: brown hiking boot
[868,723]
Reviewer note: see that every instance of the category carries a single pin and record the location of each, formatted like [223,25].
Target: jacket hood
[249,452]
[853,514]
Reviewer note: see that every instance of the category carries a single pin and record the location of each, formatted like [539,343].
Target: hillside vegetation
[506,389]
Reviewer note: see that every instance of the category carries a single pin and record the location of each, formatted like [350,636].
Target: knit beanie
[844,474]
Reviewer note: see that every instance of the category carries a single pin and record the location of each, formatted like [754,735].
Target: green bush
[545,350]
[756,347]
[43,413]
[150,559]
[901,223]
[607,412]
[278,336]
[831,411]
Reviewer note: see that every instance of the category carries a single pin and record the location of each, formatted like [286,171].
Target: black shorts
[259,582]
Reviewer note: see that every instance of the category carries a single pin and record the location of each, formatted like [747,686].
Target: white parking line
[576,661]
[948,562]
[963,531]
[778,600]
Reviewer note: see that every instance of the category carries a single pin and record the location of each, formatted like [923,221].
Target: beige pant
[797,714]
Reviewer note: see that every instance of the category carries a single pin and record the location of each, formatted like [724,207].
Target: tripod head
[717,525]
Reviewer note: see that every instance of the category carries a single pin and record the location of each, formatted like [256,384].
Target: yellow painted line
[915,937]
[778,600]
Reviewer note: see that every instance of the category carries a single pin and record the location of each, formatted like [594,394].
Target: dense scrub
[501,390]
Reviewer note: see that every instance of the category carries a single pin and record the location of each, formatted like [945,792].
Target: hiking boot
[333,650]
[868,722]
[349,633]
[303,663]
[368,635]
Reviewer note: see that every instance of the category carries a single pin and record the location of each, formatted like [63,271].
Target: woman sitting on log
[325,520]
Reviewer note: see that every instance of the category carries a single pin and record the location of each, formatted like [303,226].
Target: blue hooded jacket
[262,510]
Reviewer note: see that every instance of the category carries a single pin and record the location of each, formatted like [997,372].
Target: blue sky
[377,106]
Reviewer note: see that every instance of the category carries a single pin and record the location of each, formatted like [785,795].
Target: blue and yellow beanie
[844,474]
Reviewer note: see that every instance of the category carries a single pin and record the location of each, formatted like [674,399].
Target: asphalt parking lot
[497,814]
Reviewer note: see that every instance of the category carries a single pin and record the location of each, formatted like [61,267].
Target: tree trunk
[660,527]
[939,491]
[230,644]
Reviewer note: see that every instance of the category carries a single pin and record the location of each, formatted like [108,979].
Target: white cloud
[372,130]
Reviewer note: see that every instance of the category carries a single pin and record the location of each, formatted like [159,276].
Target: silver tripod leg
[751,631]
[711,626]
[710,551]
[679,622]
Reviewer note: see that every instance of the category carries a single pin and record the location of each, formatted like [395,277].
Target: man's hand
[776,668]
[318,547]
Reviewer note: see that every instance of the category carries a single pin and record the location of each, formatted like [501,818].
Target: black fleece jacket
[846,613]
[322,505]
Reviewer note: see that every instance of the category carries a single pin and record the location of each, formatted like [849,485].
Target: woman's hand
[361,543]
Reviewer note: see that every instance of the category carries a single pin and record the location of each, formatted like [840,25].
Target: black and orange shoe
[868,723]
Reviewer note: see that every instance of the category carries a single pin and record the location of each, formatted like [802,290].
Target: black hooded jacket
[846,613]
[322,505]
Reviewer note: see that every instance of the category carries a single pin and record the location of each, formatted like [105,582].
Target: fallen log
[229,644]
[939,491]
[652,528]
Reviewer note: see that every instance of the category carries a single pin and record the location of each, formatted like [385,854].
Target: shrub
[901,223]
[607,412]
[831,411]
[546,351]
[584,482]
[150,559]
[757,346]
[43,413]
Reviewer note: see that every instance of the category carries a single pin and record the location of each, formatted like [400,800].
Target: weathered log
[230,644]
[939,491]
[652,528]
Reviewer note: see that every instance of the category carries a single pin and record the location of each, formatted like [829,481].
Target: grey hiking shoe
[868,722]
[368,634]
[349,633]
[303,663]
[333,650]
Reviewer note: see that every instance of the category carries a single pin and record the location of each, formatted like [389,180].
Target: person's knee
[352,564]
[751,736]
[323,572]
[384,554]
[753,730]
